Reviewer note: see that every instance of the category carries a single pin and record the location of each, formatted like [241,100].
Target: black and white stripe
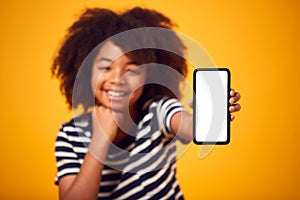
[146,169]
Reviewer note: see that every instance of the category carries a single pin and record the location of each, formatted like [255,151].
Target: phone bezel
[227,105]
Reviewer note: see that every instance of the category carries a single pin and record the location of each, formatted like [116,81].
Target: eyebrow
[110,60]
[103,59]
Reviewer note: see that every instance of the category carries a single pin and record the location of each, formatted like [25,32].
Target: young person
[124,144]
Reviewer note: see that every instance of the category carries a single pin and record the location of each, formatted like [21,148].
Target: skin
[117,82]
[116,79]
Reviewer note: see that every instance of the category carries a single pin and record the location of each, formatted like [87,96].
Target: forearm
[85,185]
[182,125]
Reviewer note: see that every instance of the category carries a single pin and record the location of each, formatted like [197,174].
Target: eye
[134,71]
[103,68]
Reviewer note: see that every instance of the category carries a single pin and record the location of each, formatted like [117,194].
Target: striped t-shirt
[145,169]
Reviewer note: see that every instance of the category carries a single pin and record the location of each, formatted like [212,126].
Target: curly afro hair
[97,25]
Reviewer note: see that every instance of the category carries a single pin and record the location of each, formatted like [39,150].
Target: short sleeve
[67,160]
[166,108]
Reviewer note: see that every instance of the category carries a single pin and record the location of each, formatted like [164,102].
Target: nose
[117,77]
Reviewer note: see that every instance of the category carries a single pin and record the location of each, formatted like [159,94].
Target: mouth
[116,94]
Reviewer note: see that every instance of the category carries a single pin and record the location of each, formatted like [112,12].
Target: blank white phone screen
[211,106]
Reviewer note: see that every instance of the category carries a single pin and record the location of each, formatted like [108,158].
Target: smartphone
[211,106]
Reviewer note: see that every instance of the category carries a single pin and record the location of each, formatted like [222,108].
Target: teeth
[116,94]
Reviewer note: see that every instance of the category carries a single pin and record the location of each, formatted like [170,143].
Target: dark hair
[95,26]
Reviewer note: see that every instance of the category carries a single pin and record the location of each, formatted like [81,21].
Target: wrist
[99,149]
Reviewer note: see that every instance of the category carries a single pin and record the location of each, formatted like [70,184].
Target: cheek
[137,86]
[95,81]
[135,95]
[94,84]
[137,82]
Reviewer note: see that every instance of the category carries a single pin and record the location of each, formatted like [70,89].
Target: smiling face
[117,80]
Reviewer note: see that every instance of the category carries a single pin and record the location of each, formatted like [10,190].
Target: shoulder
[166,104]
[81,121]
[161,110]
[78,126]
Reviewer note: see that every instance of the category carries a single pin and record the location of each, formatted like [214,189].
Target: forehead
[109,50]
[112,52]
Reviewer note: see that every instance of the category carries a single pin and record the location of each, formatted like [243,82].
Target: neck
[125,127]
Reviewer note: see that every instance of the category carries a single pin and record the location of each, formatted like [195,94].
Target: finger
[235,108]
[232,100]
[232,92]
[232,117]
[235,98]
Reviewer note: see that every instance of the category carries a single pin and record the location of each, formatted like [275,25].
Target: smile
[116,93]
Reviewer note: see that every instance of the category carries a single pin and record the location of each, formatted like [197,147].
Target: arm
[85,184]
[182,122]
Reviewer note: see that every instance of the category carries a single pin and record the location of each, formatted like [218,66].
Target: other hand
[234,106]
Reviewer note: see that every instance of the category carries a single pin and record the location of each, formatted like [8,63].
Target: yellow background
[258,40]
